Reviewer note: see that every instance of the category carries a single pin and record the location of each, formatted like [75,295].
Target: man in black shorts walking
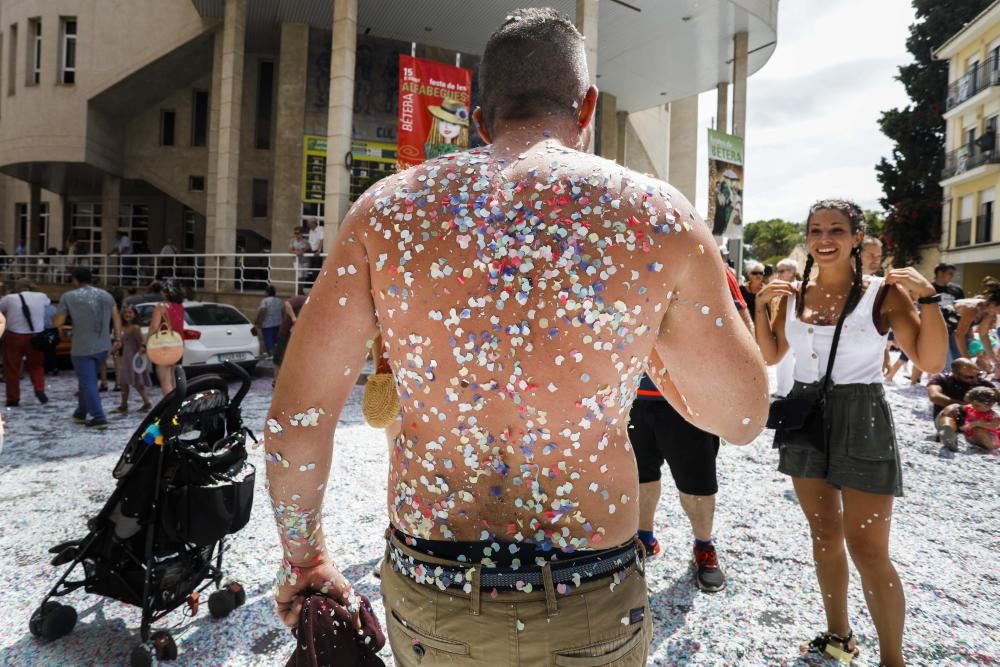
[659,433]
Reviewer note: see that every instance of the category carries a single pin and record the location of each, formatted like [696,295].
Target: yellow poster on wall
[313,169]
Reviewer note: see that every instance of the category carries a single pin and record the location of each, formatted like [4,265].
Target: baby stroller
[183,484]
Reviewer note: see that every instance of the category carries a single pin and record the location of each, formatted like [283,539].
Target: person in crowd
[299,247]
[847,472]
[315,240]
[290,315]
[977,313]
[788,271]
[871,256]
[168,248]
[133,371]
[768,273]
[541,395]
[171,312]
[91,310]
[268,320]
[753,284]
[660,433]
[24,311]
[951,388]
[944,274]
[975,417]
[153,294]
[51,340]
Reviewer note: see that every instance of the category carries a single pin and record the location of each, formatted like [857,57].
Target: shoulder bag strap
[26,311]
[828,378]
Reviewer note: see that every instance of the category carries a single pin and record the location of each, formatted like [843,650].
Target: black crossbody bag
[800,420]
[39,340]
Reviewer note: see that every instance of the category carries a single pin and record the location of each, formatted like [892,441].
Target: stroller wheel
[222,602]
[52,621]
[164,645]
[239,593]
[140,656]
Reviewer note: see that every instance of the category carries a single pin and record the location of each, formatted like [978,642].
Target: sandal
[831,645]
[122,408]
[146,407]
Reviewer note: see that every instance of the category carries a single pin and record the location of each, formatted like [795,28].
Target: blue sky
[813,109]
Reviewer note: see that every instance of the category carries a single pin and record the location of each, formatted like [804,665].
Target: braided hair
[856,217]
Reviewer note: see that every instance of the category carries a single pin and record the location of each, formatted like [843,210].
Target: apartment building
[970,236]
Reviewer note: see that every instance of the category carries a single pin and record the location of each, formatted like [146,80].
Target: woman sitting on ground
[847,474]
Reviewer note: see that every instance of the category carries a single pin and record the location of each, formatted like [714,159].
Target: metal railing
[972,82]
[243,272]
[963,232]
[968,157]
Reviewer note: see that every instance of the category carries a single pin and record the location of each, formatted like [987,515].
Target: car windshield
[213,314]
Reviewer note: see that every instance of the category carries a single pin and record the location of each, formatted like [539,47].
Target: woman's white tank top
[859,353]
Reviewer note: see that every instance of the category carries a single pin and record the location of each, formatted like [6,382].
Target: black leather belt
[575,570]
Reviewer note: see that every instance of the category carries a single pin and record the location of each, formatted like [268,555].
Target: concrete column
[228,93]
[740,46]
[8,228]
[587,18]
[31,245]
[211,172]
[684,145]
[289,130]
[621,137]
[608,146]
[722,107]
[110,209]
[340,120]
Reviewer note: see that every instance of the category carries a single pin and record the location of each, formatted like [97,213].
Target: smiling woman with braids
[846,483]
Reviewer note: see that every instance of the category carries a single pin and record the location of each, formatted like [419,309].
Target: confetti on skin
[308,418]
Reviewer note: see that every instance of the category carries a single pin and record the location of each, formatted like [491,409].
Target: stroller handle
[233,413]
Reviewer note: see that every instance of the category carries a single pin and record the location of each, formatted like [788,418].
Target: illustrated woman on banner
[728,203]
[449,131]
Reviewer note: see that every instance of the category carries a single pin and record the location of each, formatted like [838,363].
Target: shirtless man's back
[521,290]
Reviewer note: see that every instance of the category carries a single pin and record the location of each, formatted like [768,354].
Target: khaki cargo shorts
[601,623]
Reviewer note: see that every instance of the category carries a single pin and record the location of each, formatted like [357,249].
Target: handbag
[165,347]
[39,341]
[800,420]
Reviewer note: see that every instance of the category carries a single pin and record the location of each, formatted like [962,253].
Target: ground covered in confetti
[946,543]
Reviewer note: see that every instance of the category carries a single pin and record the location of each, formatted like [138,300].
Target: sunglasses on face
[756,273]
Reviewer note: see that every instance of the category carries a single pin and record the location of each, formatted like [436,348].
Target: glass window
[199,119]
[21,220]
[313,211]
[265,104]
[12,59]
[133,219]
[213,314]
[190,221]
[196,183]
[259,198]
[67,50]
[42,233]
[85,227]
[34,51]
[167,123]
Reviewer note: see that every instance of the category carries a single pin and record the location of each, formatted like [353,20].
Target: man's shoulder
[939,379]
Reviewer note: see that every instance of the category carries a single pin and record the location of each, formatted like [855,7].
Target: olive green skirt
[860,452]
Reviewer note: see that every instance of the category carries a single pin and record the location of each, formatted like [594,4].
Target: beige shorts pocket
[624,651]
[427,640]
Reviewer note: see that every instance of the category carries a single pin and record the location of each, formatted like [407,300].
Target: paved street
[946,543]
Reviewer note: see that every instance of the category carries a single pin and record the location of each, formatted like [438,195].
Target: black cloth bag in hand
[40,340]
[325,635]
[799,421]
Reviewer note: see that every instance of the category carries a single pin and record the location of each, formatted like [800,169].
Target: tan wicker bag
[380,404]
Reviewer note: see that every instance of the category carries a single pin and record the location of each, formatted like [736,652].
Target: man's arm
[323,360]
[938,397]
[718,378]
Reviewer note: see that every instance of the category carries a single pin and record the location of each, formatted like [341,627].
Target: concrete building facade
[970,236]
[187,120]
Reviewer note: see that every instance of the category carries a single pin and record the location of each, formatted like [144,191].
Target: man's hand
[295,583]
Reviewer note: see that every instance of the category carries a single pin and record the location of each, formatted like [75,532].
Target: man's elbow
[747,426]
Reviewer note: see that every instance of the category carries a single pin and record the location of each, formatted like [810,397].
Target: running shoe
[710,577]
[79,419]
[99,425]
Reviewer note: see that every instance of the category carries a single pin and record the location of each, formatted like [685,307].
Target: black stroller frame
[168,553]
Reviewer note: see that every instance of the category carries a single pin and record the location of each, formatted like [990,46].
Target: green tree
[910,178]
[874,224]
[772,238]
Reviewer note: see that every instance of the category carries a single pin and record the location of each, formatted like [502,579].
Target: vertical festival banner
[434,103]
[725,184]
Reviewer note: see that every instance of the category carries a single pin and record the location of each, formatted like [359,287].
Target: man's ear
[588,108]
[477,118]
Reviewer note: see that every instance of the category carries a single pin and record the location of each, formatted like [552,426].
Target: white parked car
[213,333]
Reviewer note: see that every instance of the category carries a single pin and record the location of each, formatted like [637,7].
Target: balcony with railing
[976,154]
[241,273]
[972,82]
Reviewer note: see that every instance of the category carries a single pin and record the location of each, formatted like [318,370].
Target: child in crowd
[132,347]
[979,423]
